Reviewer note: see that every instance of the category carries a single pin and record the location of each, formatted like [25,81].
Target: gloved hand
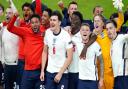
[118,4]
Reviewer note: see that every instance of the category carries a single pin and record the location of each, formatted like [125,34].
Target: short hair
[101,16]
[2,7]
[86,24]
[58,14]
[35,16]
[72,2]
[49,11]
[114,15]
[77,13]
[98,6]
[111,21]
[26,4]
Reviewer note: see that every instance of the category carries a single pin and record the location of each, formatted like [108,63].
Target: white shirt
[10,44]
[87,67]
[57,47]
[116,55]
[76,39]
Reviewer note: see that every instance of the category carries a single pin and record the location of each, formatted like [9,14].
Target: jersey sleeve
[45,38]
[98,50]
[68,41]
[20,31]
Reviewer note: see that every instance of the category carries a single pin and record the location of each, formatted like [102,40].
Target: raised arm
[63,8]
[20,31]
[38,9]
[120,19]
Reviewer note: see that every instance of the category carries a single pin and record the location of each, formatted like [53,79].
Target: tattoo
[101,66]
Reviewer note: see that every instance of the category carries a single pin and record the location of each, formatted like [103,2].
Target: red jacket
[21,42]
[33,44]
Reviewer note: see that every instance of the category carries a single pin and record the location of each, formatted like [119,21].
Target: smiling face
[98,22]
[45,18]
[72,8]
[27,13]
[35,24]
[85,32]
[54,22]
[111,30]
[8,14]
[98,10]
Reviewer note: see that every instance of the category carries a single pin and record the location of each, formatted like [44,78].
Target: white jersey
[10,45]
[76,39]
[57,47]
[117,55]
[87,67]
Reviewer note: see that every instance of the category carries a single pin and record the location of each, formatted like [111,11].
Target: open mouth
[7,18]
[84,35]
[52,25]
[96,26]
[26,15]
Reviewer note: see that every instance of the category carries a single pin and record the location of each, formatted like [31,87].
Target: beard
[35,30]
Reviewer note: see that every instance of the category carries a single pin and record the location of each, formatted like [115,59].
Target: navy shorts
[50,84]
[73,80]
[87,84]
[1,71]
[20,70]
[31,79]
[121,82]
[10,73]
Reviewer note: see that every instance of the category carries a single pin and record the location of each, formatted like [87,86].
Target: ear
[68,10]
[59,22]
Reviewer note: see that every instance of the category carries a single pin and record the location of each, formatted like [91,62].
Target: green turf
[85,6]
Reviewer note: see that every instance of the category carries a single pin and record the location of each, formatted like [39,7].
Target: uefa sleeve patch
[70,42]
[99,50]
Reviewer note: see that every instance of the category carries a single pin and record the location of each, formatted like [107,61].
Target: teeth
[7,18]
[26,15]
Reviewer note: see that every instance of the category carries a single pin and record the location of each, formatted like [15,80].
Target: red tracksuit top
[33,44]
[21,42]
[38,10]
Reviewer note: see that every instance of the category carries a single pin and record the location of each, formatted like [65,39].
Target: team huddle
[45,50]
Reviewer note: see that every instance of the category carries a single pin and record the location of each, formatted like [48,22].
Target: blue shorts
[87,84]
[73,80]
[31,79]
[20,70]
[50,84]
[1,71]
[121,82]
[10,73]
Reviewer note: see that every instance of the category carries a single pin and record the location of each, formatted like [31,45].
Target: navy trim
[57,33]
[123,57]
[95,67]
